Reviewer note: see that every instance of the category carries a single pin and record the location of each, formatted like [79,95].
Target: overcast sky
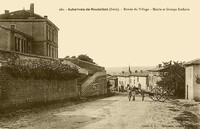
[126,37]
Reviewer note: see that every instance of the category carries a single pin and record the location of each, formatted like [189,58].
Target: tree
[84,57]
[173,78]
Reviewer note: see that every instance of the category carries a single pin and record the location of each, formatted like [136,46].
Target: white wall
[142,80]
[189,82]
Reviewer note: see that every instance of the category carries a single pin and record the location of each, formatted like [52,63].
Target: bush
[40,69]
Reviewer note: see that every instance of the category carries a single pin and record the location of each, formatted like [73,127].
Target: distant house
[155,76]
[192,75]
[138,79]
[113,82]
[24,31]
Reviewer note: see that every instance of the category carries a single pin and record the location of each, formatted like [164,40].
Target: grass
[189,120]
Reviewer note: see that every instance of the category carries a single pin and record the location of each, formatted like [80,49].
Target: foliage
[173,78]
[84,57]
[40,69]
[197,79]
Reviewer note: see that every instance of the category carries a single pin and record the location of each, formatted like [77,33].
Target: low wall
[92,68]
[5,55]
[17,91]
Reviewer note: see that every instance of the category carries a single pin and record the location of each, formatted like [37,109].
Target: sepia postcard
[99,64]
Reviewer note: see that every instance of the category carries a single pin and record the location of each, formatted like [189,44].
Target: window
[52,52]
[50,34]
[25,46]
[56,36]
[137,79]
[16,44]
[13,26]
[19,44]
[47,49]
[47,32]
[22,45]
[29,47]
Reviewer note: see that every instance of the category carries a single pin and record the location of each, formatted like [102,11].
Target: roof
[112,78]
[23,14]
[139,74]
[193,62]
[16,31]
[143,74]
[158,69]
[20,14]
[92,68]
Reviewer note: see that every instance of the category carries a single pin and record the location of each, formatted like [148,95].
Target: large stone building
[26,32]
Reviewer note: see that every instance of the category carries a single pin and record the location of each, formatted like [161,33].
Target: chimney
[6,11]
[46,17]
[32,9]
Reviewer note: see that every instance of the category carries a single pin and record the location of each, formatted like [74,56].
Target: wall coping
[27,54]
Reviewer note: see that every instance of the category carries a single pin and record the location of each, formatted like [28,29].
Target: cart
[156,94]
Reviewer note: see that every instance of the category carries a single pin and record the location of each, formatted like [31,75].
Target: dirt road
[109,113]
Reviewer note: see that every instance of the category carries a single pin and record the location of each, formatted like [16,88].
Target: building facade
[13,40]
[154,76]
[31,32]
[192,83]
[139,80]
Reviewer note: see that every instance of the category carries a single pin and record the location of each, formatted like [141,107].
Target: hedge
[40,69]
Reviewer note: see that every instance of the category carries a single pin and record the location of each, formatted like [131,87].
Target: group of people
[132,90]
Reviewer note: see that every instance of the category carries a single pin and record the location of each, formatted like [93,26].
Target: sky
[122,38]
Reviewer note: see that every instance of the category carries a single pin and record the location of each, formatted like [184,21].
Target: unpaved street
[111,113]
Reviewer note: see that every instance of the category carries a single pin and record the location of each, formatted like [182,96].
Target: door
[190,83]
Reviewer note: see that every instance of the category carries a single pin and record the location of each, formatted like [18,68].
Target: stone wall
[17,91]
[92,68]
[4,39]
[98,87]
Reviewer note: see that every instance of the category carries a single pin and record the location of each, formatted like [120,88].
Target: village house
[26,32]
[137,79]
[192,76]
[154,76]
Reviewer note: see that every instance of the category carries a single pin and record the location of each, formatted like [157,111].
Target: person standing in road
[129,93]
[133,93]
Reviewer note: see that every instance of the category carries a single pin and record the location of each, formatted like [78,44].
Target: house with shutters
[138,79]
